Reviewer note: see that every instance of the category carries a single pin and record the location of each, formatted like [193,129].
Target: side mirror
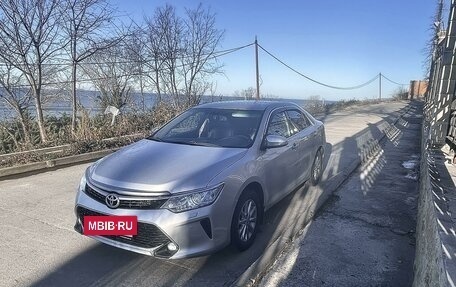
[273,141]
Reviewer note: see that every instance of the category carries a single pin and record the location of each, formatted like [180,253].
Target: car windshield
[212,127]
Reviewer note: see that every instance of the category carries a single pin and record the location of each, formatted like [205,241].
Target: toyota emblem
[112,200]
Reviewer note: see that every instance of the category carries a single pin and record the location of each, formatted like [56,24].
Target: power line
[386,78]
[215,55]
[315,81]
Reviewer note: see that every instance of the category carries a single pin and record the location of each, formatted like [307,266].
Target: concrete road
[40,248]
[364,234]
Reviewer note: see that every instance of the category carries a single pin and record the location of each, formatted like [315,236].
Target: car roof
[260,105]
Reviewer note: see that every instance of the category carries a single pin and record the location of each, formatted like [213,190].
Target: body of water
[89,100]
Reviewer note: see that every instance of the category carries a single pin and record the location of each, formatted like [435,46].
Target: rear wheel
[317,167]
[244,225]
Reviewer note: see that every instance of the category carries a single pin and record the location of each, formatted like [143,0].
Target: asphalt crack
[390,227]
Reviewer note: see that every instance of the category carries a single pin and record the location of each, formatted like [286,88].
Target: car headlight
[192,200]
[82,183]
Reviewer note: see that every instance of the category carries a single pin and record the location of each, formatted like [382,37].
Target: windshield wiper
[202,144]
[183,142]
[155,139]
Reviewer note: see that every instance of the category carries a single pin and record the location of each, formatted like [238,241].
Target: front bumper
[195,232]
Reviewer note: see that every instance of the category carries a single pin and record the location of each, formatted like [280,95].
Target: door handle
[294,146]
[308,137]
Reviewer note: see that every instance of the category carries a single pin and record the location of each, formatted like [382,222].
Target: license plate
[111,225]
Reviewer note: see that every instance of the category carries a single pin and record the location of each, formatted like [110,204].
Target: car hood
[159,167]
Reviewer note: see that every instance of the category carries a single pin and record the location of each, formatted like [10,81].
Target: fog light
[172,246]
[166,250]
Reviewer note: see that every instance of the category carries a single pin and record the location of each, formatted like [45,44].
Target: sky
[340,43]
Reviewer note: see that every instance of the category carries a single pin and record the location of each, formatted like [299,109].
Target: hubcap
[247,220]
[317,167]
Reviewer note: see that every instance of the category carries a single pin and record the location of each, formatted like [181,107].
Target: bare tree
[437,32]
[400,93]
[16,97]
[113,74]
[247,94]
[176,55]
[200,40]
[157,48]
[169,28]
[137,46]
[29,37]
[314,105]
[86,24]
[145,53]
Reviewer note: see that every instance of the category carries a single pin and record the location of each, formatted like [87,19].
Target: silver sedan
[205,179]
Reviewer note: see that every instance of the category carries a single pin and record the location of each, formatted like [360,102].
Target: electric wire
[386,78]
[215,55]
[315,81]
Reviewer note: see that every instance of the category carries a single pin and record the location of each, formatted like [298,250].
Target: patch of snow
[412,176]
[410,164]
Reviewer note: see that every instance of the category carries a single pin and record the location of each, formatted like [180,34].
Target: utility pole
[257,70]
[380,86]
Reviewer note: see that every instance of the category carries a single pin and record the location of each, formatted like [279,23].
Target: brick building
[417,89]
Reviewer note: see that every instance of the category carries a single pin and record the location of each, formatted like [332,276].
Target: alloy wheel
[247,220]
[317,167]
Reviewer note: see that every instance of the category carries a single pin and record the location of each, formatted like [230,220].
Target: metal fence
[440,97]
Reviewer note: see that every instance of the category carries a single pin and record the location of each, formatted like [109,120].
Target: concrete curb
[40,151]
[42,166]
[37,167]
[260,267]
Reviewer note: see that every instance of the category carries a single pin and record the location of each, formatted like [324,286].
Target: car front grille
[148,236]
[126,203]
[94,194]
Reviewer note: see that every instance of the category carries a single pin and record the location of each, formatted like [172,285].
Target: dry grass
[90,132]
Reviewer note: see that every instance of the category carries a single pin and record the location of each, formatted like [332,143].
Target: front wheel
[245,221]
[317,168]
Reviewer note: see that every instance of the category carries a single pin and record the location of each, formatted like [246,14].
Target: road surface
[40,248]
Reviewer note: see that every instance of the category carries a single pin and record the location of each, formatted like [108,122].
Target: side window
[298,120]
[279,125]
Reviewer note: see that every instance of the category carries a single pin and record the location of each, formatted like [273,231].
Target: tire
[317,168]
[246,219]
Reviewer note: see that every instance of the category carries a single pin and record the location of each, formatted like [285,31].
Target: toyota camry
[203,180]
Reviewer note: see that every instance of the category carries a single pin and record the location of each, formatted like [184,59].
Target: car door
[279,164]
[303,135]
